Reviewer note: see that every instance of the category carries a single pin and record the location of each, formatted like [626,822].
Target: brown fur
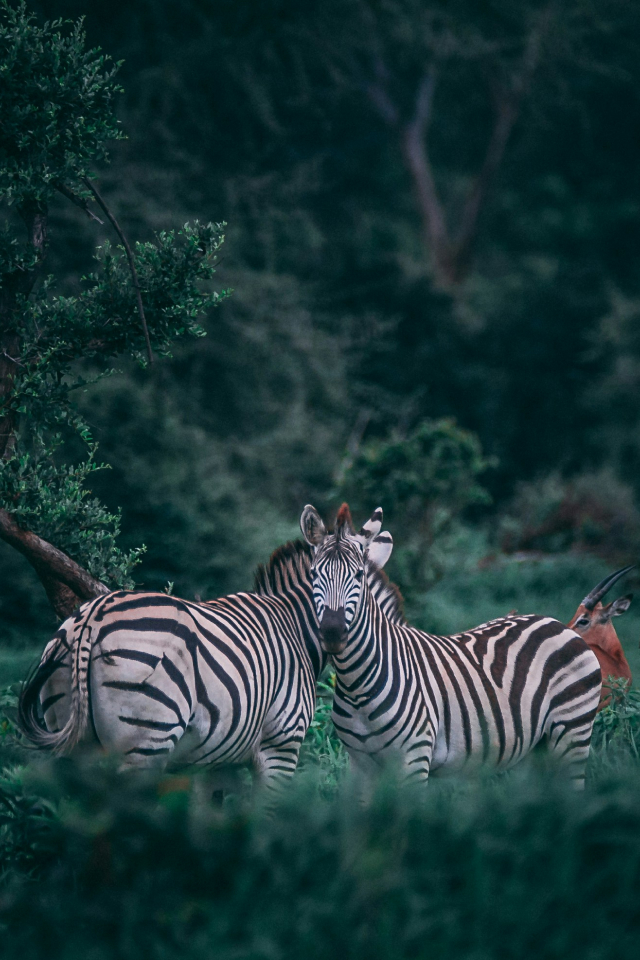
[602,638]
[344,523]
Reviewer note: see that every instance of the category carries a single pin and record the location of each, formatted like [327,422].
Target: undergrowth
[99,865]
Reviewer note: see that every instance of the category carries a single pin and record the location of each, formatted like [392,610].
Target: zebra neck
[287,579]
[365,659]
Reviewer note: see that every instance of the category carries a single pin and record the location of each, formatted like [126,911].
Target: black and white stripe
[153,677]
[486,696]
[156,678]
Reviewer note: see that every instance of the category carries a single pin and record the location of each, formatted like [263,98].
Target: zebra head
[340,563]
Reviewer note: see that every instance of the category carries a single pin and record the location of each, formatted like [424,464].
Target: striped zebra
[155,679]
[486,696]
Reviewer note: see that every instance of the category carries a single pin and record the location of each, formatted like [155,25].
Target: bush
[498,870]
[424,481]
[99,865]
[593,512]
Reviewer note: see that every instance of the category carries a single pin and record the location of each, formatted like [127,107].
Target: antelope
[592,621]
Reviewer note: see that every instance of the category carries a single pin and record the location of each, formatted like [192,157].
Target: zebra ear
[380,549]
[372,527]
[313,529]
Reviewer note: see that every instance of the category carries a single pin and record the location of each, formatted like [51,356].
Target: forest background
[433,240]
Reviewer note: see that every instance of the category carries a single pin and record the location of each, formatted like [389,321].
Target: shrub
[424,481]
[593,512]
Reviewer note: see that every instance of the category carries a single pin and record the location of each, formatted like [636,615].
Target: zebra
[447,704]
[154,678]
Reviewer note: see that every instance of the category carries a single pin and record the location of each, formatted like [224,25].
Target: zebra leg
[569,737]
[573,705]
[366,770]
[276,759]
[570,743]
[417,754]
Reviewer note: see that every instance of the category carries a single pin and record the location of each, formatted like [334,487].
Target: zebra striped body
[487,696]
[154,677]
[447,703]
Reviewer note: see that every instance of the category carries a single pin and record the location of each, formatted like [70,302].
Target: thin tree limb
[79,202]
[508,105]
[130,258]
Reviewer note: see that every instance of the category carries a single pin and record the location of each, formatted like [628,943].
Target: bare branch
[416,155]
[424,102]
[383,103]
[66,582]
[79,202]
[508,105]
[132,265]
[378,93]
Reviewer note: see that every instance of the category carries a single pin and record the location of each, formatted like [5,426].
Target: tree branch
[79,202]
[66,582]
[508,105]
[132,265]
[416,156]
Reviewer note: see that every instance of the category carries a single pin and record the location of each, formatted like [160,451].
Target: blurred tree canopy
[433,212]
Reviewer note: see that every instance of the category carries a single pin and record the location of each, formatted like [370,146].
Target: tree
[426,480]
[449,82]
[57,112]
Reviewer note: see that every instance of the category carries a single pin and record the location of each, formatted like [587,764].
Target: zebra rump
[143,674]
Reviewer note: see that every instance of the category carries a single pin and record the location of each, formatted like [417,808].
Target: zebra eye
[359,574]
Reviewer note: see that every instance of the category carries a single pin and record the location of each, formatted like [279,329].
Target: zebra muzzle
[333,630]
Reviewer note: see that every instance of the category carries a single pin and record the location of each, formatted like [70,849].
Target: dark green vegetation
[353,326]
[96,866]
[433,239]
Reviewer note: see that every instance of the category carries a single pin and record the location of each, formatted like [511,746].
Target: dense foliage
[97,865]
[57,114]
[340,333]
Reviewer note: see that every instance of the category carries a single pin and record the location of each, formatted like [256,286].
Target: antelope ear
[372,527]
[313,529]
[619,606]
[380,549]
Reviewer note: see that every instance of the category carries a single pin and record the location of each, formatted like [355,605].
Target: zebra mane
[290,564]
[386,594]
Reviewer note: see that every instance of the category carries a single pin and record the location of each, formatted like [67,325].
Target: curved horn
[603,587]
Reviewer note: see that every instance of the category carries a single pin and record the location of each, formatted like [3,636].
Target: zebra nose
[333,630]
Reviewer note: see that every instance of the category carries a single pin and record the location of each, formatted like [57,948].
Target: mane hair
[344,521]
[291,562]
[387,595]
